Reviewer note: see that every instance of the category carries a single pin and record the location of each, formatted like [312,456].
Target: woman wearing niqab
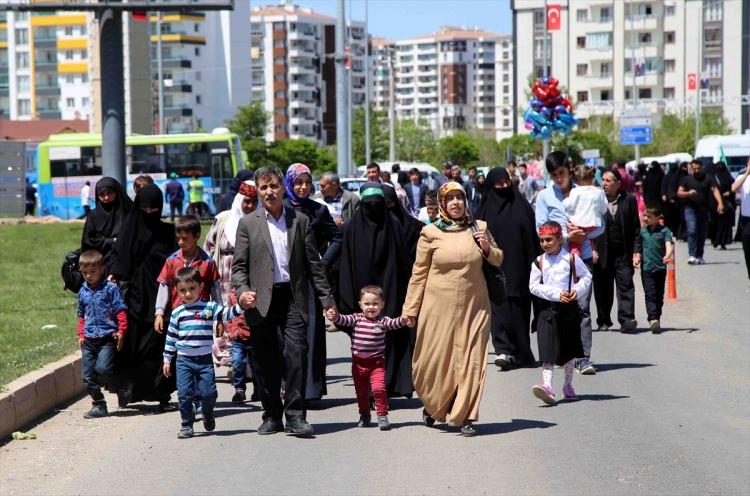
[373,252]
[142,247]
[510,219]
[103,223]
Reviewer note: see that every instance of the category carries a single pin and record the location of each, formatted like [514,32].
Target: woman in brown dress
[448,297]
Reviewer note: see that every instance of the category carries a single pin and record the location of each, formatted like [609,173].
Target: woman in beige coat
[448,297]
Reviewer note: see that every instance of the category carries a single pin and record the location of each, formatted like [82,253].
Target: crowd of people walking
[412,275]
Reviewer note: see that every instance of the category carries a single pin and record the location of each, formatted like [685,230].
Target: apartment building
[293,72]
[449,79]
[504,87]
[610,53]
[205,59]
[44,68]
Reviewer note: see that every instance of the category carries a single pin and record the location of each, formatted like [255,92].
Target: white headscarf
[235,214]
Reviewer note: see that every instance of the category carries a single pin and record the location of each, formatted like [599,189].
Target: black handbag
[71,273]
[494,277]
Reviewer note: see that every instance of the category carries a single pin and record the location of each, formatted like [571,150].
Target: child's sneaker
[545,393]
[364,421]
[239,397]
[383,423]
[569,393]
[209,422]
[655,326]
[185,432]
[98,410]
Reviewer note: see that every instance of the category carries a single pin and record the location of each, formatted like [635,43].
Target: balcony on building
[47,111]
[177,86]
[47,88]
[302,31]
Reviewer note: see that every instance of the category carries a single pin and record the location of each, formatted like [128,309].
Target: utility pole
[342,133]
[368,150]
[159,79]
[545,141]
[112,91]
[632,68]
[391,107]
[699,77]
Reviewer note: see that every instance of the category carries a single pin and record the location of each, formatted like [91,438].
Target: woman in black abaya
[142,247]
[652,185]
[103,223]
[373,252]
[721,224]
[510,219]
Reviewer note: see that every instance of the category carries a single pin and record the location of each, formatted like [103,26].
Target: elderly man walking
[275,260]
[341,203]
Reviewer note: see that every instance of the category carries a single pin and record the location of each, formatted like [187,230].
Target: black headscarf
[672,180]
[510,220]
[724,181]
[652,185]
[374,253]
[410,227]
[103,223]
[234,188]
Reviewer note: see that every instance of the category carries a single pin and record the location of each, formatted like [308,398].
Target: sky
[402,19]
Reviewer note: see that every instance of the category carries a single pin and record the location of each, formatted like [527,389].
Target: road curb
[36,393]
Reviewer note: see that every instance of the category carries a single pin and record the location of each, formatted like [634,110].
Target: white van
[665,160]
[736,149]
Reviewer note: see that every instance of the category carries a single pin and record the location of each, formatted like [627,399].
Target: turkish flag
[553,17]
[692,83]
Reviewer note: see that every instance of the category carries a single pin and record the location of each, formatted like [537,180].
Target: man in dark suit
[275,259]
[619,253]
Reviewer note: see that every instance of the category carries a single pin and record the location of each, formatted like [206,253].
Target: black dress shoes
[270,426]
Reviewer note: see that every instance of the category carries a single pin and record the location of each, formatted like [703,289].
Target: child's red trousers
[369,374]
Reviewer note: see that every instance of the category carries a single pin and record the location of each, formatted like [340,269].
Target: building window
[70,102]
[669,93]
[582,96]
[669,37]
[605,95]
[581,15]
[644,38]
[22,60]
[669,10]
[669,65]
[197,51]
[22,36]
[198,99]
[68,30]
[24,107]
[582,69]
[197,28]
[24,84]
[540,17]
[85,78]
[506,123]
[70,79]
[605,14]
[85,102]
[581,42]
[644,92]
[68,54]
[605,70]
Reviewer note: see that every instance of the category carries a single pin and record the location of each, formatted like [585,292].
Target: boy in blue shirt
[658,248]
[102,324]
[190,337]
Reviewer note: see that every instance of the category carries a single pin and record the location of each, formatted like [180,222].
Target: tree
[378,135]
[249,123]
[290,151]
[489,149]
[522,146]
[414,141]
[459,149]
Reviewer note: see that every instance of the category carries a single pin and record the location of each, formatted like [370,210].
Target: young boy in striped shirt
[190,336]
[368,352]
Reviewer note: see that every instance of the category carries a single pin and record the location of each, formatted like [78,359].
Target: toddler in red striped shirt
[368,352]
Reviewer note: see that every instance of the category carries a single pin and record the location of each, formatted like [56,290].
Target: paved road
[667,414]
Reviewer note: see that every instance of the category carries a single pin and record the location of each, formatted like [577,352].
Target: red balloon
[553,92]
[552,82]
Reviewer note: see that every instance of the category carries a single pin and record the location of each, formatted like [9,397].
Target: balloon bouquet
[548,111]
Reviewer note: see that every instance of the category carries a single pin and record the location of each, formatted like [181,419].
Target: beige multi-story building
[293,71]
[449,79]
[606,48]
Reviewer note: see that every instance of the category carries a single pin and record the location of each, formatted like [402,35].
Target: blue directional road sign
[635,135]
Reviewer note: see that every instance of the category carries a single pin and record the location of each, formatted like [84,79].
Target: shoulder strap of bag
[573,277]
[539,262]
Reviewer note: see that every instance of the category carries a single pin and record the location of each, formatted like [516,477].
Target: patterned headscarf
[445,222]
[292,173]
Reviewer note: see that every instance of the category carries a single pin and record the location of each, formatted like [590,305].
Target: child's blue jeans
[241,356]
[195,380]
[98,365]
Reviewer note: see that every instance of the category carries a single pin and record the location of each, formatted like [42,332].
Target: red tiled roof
[458,33]
[378,42]
[40,129]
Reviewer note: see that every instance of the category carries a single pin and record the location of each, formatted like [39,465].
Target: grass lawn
[32,295]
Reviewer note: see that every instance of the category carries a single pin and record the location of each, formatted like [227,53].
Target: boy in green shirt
[658,248]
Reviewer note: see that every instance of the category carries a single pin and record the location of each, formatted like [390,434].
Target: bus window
[145,159]
[187,159]
[90,164]
[239,153]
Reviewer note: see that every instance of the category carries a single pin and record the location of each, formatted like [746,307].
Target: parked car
[430,174]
